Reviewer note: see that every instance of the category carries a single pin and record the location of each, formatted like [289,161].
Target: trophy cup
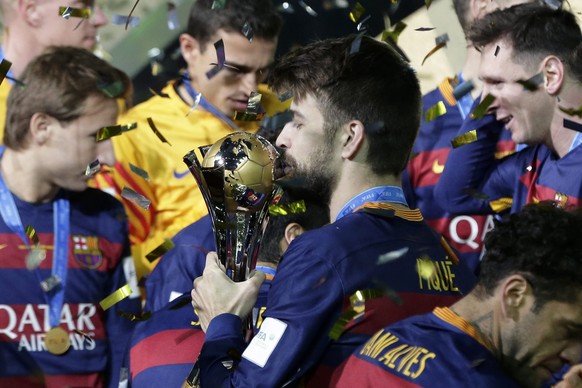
[236,181]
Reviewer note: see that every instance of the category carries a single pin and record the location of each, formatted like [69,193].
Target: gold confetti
[116,297]
[248,116]
[359,297]
[31,233]
[465,138]
[435,111]
[67,12]
[138,171]
[394,33]
[572,111]
[160,250]
[108,132]
[156,131]
[4,69]
[357,12]
[425,267]
[481,109]
[532,84]
[434,50]
[292,208]
[135,197]
[254,102]
[93,168]
[427,3]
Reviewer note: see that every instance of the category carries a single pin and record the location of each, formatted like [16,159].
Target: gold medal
[57,341]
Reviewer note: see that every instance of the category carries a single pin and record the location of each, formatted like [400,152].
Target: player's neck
[351,184]
[561,132]
[23,179]
[19,48]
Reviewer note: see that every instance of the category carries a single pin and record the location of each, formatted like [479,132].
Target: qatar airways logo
[28,325]
[465,230]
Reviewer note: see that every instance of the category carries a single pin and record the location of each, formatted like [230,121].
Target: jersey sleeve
[289,342]
[474,181]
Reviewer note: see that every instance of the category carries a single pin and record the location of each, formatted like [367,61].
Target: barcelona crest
[86,251]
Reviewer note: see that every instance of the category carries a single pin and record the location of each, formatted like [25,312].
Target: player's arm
[472,177]
[303,305]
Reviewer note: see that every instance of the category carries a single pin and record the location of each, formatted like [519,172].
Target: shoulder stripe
[446,89]
[450,317]
[407,214]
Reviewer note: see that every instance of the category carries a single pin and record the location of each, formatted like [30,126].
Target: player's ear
[292,231]
[353,135]
[190,48]
[30,12]
[553,71]
[40,127]
[516,294]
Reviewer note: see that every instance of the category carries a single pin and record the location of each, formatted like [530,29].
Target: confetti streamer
[391,256]
[116,297]
[393,34]
[93,168]
[424,29]
[252,111]
[247,31]
[359,297]
[292,208]
[4,69]
[31,233]
[173,21]
[362,26]
[218,4]
[68,12]
[131,13]
[452,255]
[89,339]
[156,131]
[435,111]
[135,318]
[497,48]
[160,250]
[465,138]
[248,116]
[553,4]
[120,20]
[357,12]
[114,130]
[569,124]
[220,57]
[572,111]
[138,171]
[434,50]
[444,38]
[136,198]
[481,109]
[532,84]
[34,258]
[463,89]
[50,283]
[355,47]
[307,8]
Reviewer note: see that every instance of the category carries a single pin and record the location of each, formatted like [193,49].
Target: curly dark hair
[261,15]
[543,243]
[373,84]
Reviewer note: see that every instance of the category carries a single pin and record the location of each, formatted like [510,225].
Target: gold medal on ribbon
[57,341]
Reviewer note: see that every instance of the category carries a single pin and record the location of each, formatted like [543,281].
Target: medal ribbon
[376,194]
[61,211]
[205,103]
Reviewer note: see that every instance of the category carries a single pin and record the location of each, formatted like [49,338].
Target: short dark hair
[58,83]
[261,16]
[374,85]
[542,243]
[316,215]
[533,30]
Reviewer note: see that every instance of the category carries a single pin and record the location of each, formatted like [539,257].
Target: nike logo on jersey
[437,168]
[180,175]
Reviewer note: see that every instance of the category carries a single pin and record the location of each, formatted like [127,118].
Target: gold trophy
[236,181]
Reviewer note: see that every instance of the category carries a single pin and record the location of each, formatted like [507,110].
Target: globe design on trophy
[236,181]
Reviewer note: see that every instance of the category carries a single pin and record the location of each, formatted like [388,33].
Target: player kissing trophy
[236,181]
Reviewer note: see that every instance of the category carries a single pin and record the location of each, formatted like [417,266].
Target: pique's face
[526,114]
[308,150]
[55,30]
[72,146]
[246,65]
[542,342]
